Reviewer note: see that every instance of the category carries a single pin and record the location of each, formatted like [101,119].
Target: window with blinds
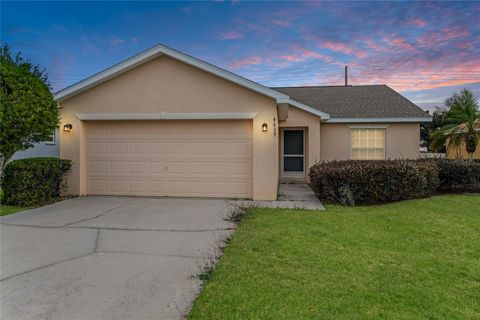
[368,144]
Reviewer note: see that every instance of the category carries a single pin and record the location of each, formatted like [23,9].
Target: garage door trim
[168,116]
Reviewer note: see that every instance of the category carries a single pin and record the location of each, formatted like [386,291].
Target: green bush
[372,182]
[458,175]
[33,181]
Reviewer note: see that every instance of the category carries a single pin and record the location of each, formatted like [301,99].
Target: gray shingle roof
[369,101]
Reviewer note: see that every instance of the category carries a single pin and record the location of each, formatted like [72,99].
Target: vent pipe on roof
[346,76]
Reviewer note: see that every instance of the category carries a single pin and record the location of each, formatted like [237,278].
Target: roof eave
[380,120]
[304,107]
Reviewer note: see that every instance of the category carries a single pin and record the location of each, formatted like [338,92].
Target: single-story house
[163,123]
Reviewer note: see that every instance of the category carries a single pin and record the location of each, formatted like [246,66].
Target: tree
[461,123]
[28,111]
[426,129]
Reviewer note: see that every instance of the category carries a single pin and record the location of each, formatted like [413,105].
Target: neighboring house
[460,152]
[163,123]
[49,148]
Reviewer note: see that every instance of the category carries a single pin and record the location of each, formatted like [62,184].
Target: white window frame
[53,141]
[290,174]
[360,127]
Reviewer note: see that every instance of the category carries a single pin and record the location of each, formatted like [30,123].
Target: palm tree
[462,123]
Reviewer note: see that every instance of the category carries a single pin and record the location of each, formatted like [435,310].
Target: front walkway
[290,196]
[108,257]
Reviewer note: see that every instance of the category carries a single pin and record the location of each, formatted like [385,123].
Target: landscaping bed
[407,260]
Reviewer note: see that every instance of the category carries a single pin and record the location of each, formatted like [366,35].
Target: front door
[293,153]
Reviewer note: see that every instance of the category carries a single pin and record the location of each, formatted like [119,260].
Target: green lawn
[4,210]
[416,259]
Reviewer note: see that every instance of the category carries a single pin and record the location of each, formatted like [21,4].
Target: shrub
[458,175]
[33,181]
[371,182]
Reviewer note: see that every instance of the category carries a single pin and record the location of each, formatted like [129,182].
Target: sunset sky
[425,50]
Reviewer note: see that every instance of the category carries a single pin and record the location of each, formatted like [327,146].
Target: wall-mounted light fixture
[67,127]
[264,127]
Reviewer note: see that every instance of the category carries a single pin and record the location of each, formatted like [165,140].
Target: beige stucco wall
[311,123]
[402,140]
[167,85]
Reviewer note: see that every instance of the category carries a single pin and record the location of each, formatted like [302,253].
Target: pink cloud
[361,53]
[464,45]
[397,41]
[417,22]
[451,33]
[436,38]
[371,44]
[418,73]
[248,61]
[231,35]
[304,54]
[337,46]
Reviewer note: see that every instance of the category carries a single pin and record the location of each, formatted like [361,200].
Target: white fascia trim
[376,120]
[369,126]
[155,52]
[166,116]
[304,107]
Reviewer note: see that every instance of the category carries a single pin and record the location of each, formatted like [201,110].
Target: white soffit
[167,116]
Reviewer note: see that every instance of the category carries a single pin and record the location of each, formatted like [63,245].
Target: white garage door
[170,158]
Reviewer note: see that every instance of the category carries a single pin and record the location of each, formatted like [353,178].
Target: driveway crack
[151,254]
[115,228]
[97,240]
[101,214]
[46,266]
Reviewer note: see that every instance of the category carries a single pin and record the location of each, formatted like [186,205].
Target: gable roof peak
[155,52]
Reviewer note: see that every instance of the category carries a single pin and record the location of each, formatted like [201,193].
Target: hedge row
[459,175]
[372,182]
[33,181]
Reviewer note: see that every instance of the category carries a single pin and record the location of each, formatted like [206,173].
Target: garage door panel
[136,167]
[157,187]
[117,148]
[98,186]
[117,167]
[179,147]
[98,148]
[137,186]
[177,158]
[137,129]
[238,168]
[98,166]
[117,186]
[157,168]
[155,147]
[98,132]
[137,148]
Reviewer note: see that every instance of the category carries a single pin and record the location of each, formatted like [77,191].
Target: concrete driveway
[108,257]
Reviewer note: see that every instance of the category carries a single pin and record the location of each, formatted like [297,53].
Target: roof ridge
[335,86]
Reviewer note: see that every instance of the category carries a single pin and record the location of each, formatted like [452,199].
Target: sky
[424,50]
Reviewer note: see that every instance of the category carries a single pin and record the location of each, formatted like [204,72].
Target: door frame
[292,175]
